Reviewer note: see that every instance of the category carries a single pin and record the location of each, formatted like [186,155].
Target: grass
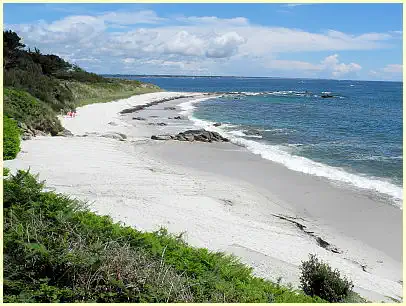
[56,250]
[11,138]
[112,89]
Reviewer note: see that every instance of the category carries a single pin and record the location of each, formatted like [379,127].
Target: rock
[65,133]
[169,108]
[177,118]
[22,126]
[161,137]
[26,137]
[217,124]
[193,135]
[117,136]
[153,116]
[113,123]
[159,123]
[39,133]
[139,118]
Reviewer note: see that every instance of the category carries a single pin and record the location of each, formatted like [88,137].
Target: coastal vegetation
[11,138]
[38,87]
[56,250]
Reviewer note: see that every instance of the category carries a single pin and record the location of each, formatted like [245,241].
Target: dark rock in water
[217,124]
[327,96]
[139,118]
[252,132]
[161,137]
[169,108]
[153,116]
[177,118]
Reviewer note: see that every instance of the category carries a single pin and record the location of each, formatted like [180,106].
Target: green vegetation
[318,279]
[6,171]
[11,138]
[55,250]
[40,86]
[34,113]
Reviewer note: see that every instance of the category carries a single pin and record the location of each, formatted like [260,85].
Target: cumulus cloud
[207,40]
[225,45]
[329,66]
[389,72]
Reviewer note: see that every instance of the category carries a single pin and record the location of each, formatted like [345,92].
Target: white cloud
[389,72]
[328,67]
[393,68]
[225,45]
[200,42]
[137,17]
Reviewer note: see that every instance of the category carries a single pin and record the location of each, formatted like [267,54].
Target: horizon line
[235,76]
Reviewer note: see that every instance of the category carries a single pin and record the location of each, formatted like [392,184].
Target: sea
[353,136]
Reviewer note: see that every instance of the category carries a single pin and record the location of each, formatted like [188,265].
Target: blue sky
[339,41]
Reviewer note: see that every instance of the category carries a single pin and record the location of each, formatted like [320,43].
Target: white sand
[121,179]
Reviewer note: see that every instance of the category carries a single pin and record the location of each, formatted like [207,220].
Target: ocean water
[355,137]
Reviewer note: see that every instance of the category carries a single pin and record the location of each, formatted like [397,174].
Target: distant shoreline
[235,77]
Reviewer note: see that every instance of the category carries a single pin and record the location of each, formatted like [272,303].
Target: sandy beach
[221,196]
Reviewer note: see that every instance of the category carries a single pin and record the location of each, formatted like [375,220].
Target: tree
[12,47]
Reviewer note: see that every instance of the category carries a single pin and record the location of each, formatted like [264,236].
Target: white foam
[298,163]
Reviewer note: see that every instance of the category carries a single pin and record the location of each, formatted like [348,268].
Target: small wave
[298,163]
[244,133]
[377,158]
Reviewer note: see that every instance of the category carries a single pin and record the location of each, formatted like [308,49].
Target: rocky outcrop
[65,133]
[139,118]
[193,135]
[28,133]
[114,135]
[140,107]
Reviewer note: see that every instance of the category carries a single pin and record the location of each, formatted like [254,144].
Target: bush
[55,250]
[317,279]
[11,138]
[36,114]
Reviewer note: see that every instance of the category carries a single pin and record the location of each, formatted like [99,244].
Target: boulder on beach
[65,133]
[193,135]
[161,137]
[116,136]
[159,123]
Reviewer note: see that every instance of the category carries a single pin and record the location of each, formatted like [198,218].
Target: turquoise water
[354,137]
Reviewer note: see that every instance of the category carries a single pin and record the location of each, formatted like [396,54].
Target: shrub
[55,250]
[6,171]
[11,138]
[318,279]
[36,114]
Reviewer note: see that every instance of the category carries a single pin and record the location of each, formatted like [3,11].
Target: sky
[333,41]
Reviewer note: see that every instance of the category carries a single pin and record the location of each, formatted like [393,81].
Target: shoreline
[131,182]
